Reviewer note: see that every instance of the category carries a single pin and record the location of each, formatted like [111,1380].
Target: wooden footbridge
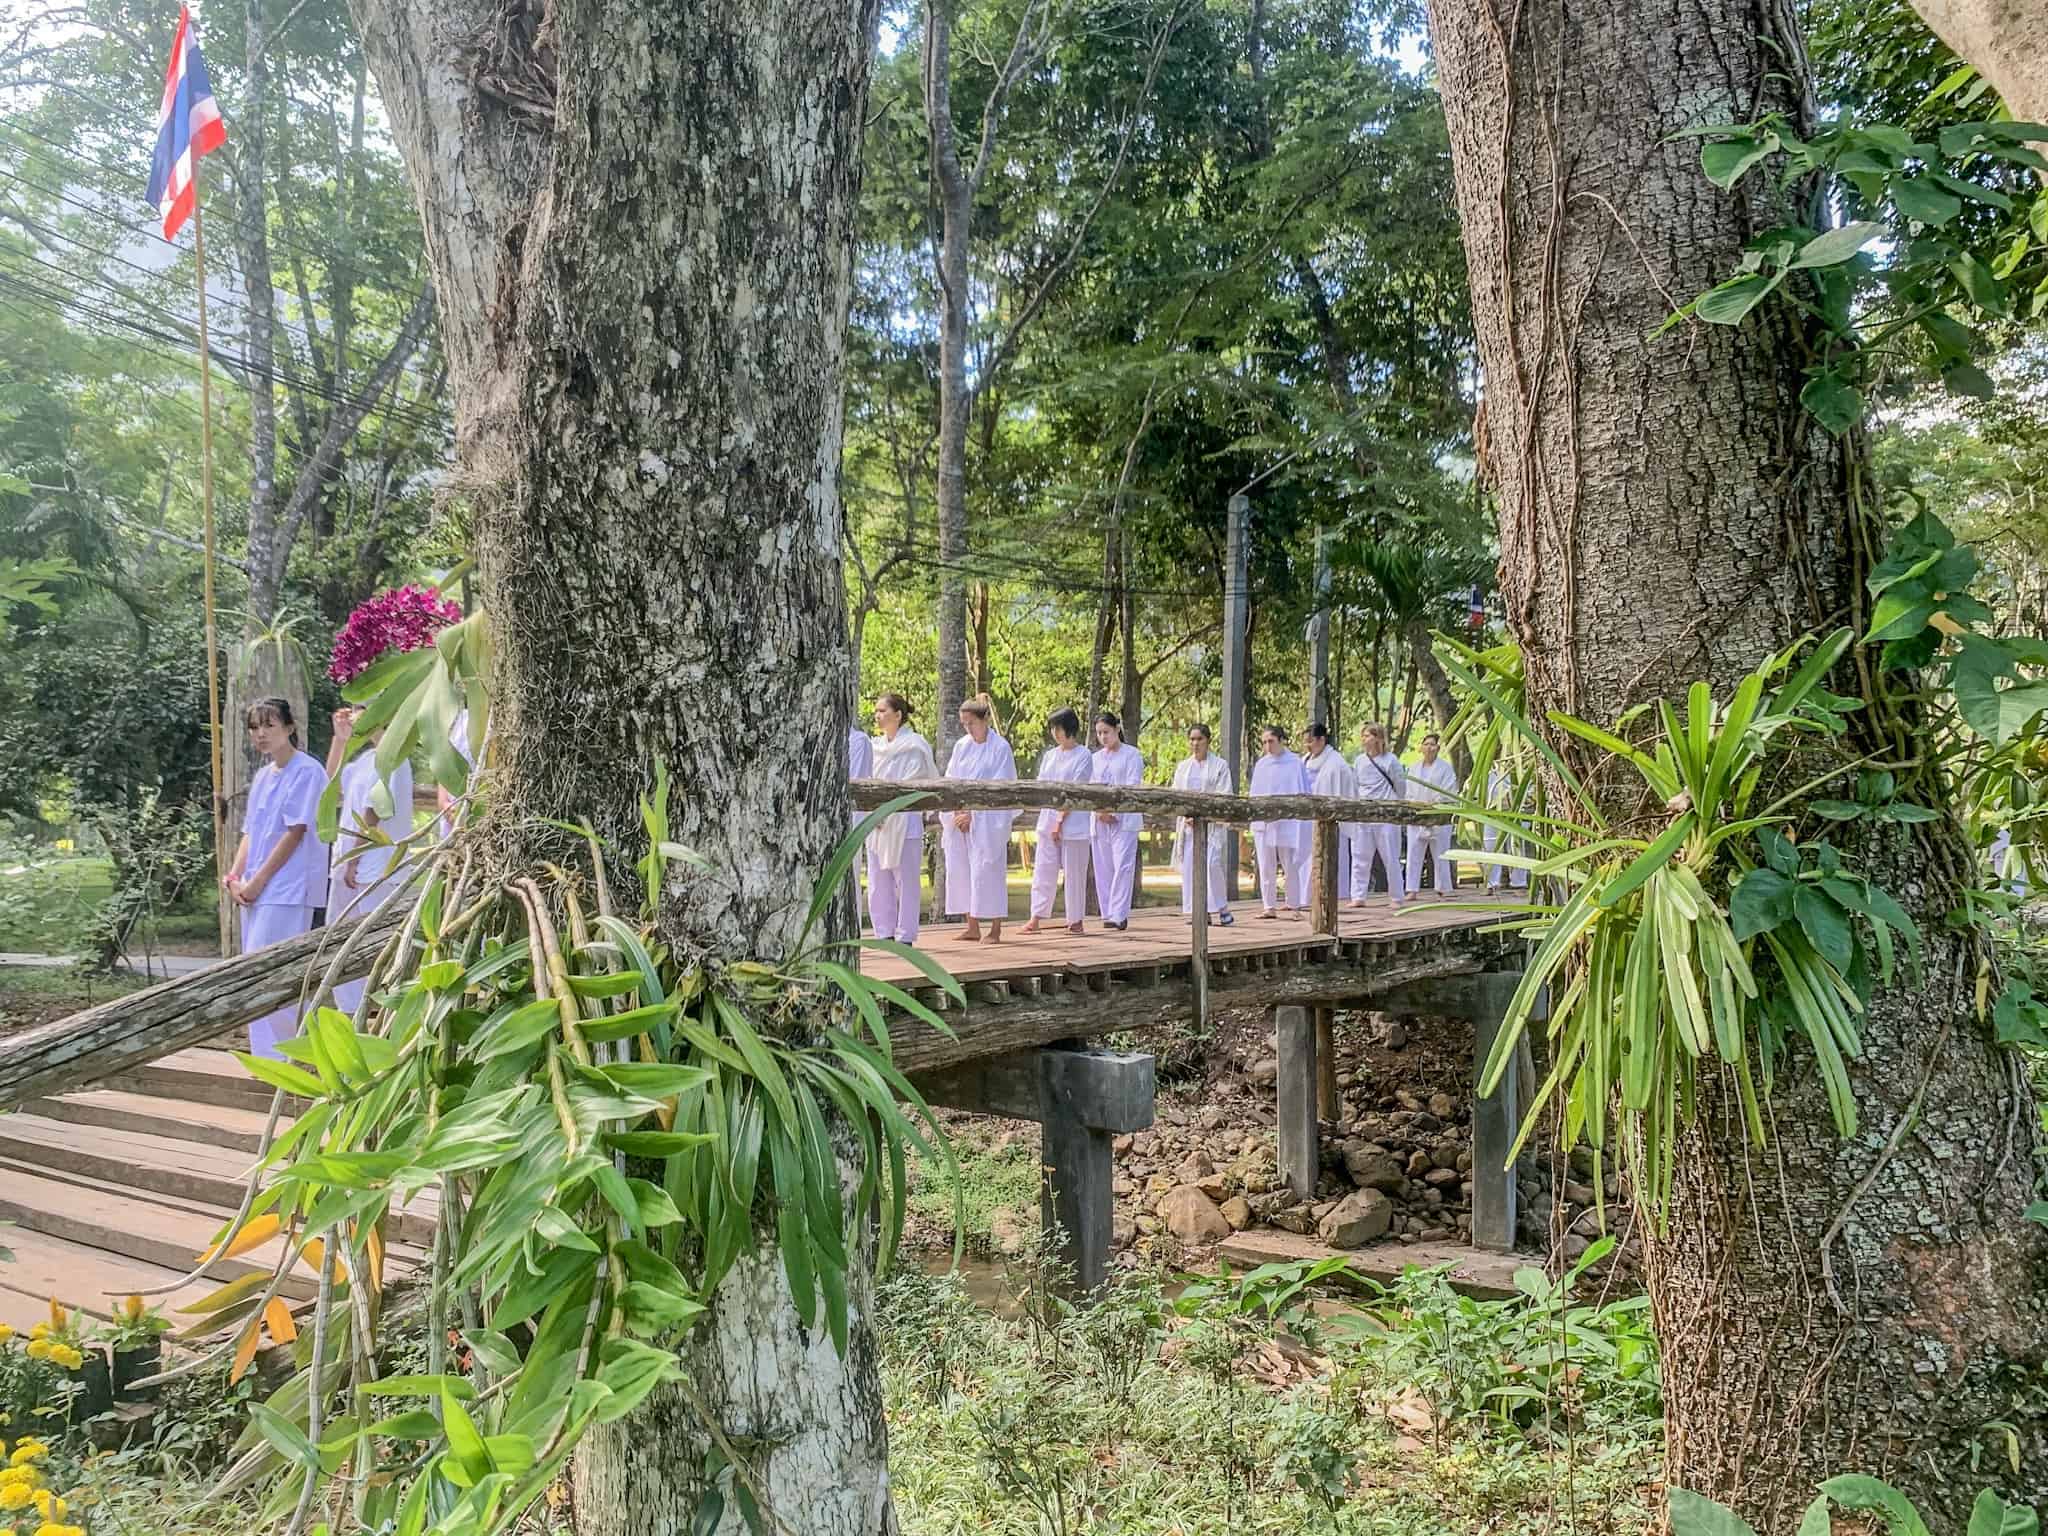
[1019,1046]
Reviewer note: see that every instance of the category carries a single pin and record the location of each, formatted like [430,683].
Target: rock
[1009,1232]
[1573,1247]
[1408,1239]
[1141,1142]
[1358,1219]
[1464,1163]
[1322,1208]
[1215,1186]
[1122,1144]
[1294,1218]
[1435,1234]
[1122,1232]
[1123,1187]
[1579,1194]
[1192,1216]
[1213,1117]
[1264,1072]
[1418,1164]
[1446,1155]
[1407,1099]
[1238,1212]
[1439,1177]
[1156,1186]
[1377,1170]
[1396,1037]
[1149,1225]
[1443,1106]
[1195,1166]
[1432,1195]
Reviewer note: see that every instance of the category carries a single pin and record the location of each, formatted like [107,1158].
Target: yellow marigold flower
[16,1496]
[39,1349]
[40,1331]
[133,1308]
[12,1475]
[28,1451]
[58,1316]
[66,1356]
[6,1332]
[50,1506]
[50,1528]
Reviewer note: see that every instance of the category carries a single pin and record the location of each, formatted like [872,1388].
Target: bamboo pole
[213,722]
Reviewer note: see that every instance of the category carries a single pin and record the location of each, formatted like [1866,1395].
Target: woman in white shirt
[977,843]
[1201,770]
[1433,781]
[1063,843]
[1329,773]
[1380,777]
[279,873]
[1116,832]
[375,813]
[896,847]
[1281,846]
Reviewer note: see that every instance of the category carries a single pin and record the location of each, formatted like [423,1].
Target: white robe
[1116,838]
[280,799]
[1499,797]
[977,860]
[1209,776]
[1379,778]
[1065,856]
[860,759]
[1432,784]
[1281,847]
[899,759]
[390,801]
[1330,773]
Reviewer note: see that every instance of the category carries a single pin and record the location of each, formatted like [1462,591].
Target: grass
[50,904]
[997,1172]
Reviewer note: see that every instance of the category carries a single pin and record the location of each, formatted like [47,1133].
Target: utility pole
[1236,639]
[1319,635]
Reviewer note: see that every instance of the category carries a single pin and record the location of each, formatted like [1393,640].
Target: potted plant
[136,1338]
[89,1385]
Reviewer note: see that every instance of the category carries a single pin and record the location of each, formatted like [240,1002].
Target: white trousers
[894,895]
[263,925]
[1116,862]
[977,875]
[1438,841]
[1290,862]
[1370,840]
[1218,897]
[353,904]
[1518,879]
[1050,861]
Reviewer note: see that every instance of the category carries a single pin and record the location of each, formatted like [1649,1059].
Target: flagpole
[213,722]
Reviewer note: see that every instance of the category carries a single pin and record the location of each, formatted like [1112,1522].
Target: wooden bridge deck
[1051,985]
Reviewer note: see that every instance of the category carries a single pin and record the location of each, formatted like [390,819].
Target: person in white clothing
[1500,797]
[1329,773]
[860,758]
[1063,836]
[279,873]
[1116,833]
[977,843]
[458,738]
[896,847]
[1207,773]
[1281,846]
[1432,781]
[1380,777]
[376,812]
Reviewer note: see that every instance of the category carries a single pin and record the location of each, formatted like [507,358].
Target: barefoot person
[1433,781]
[1201,770]
[1063,842]
[1280,845]
[279,873]
[1116,832]
[977,843]
[896,847]
[1380,777]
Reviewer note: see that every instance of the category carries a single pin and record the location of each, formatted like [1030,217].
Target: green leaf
[657,1143]
[1778,850]
[653,1309]
[529,1292]
[416,1424]
[1985,290]
[1725,161]
[1953,340]
[420,1386]
[631,1370]
[465,1444]
[654,1079]
[285,1437]
[1837,245]
[1968,380]
[607,984]
[1825,925]
[1647,863]
[496,1351]
[1726,303]
[1693,1514]
[2036,1213]
[1902,611]
[1836,810]
[1762,900]
[281,1074]
[519,1029]
[1905,810]
[1853,1491]
[1832,401]
[440,975]
[1992,1516]
[1923,201]
[655,1207]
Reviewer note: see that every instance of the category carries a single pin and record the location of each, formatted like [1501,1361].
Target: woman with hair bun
[896,847]
[977,843]
[1116,833]
[1063,842]
[279,873]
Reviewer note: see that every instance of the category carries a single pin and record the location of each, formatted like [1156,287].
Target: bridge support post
[1082,1099]
[1496,1117]
[1198,916]
[1326,1063]
[1298,1135]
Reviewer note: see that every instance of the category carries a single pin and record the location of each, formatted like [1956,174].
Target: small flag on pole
[1476,616]
[188,127]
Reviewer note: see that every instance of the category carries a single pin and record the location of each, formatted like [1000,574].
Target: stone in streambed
[1192,1216]
[1357,1219]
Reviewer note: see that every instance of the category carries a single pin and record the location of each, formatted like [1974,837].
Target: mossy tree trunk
[640,221]
[1668,513]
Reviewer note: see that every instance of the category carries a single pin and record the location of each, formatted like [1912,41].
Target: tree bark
[2005,40]
[956,400]
[1668,513]
[642,247]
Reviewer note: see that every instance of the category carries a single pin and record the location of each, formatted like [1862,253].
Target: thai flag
[188,127]
[1475,616]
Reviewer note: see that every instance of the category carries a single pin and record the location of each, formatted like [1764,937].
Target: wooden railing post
[1323,904]
[1198,911]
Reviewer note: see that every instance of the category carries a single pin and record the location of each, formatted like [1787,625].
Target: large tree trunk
[2007,42]
[1666,514]
[648,379]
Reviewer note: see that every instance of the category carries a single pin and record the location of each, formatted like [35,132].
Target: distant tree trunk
[1668,513]
[643,246]
[2005,40]
[956,400]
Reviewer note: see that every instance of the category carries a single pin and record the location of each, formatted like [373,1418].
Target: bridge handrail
[1233,810]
